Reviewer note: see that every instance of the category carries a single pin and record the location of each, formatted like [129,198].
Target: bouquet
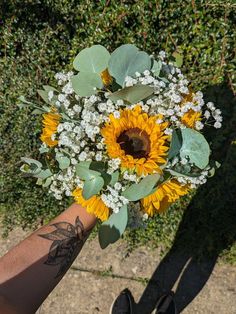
[121,134]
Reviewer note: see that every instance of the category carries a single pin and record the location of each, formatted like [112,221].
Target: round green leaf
[112,229]
[94,59]
[92,187]
[126,60]
[138,191]
[63,161]
[47,182]
[195,147]
[85,173]
[86,83]
[156,67]
[114,178]
[175,145]
[44,174]
[132,94]
[98,166]
[31,166]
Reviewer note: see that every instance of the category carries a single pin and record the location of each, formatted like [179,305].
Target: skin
[32,269]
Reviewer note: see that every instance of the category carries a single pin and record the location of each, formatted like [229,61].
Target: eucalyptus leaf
[92,187]
[44,95]
[63,161]
[106,177]
[179,173]
[126,60]
[46,108]
[111,230]
[86,83]
[47,182]
[44,174]
[38,111]
[31,161]
[85,164]
[94,59]
[98,166]
[23,99]
[139,190]
[49,88]
[163,79]
[85,173]
[39,181]
[175,145]
[213,167]
[132,94]
[43,150]
[22,102]
[114,178]
[195,147]
[31,166]
[156,67]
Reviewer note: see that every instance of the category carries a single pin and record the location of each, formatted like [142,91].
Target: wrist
[88,220]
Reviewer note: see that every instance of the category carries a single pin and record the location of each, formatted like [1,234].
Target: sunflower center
[135,142]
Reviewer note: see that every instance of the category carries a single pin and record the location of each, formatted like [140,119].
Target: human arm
[31,270]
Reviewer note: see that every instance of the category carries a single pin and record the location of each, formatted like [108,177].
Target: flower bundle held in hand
[122,135]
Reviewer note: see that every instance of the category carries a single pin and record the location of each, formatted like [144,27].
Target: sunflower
[106,77]
[137,140]
[167,193]
[94,204]
[50,123]
[190,118]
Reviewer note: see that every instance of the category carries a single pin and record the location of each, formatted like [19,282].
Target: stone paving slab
[97,277]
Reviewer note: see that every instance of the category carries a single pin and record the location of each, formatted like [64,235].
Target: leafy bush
[39,38]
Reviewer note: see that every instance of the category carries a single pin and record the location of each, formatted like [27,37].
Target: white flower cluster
[113,165]
[195,181]
[171,98]
[63,183]
[113,199]
[131,177]
[214,113]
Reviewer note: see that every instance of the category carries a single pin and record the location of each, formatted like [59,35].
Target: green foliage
[156,67]
[195,147]
[126,60]
[133,94]
[63,162]
[140,190]
[86,83]
[40,38]
[175,145]
[94,59]
[112,229]
[94,179]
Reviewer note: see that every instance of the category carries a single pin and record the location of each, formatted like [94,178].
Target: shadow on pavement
[209,223]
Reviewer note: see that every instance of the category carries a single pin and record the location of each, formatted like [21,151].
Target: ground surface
[97,277]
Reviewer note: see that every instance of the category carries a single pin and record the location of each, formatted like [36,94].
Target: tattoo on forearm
[67,243]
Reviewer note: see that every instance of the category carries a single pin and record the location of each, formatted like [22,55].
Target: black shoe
[166,304]
[123,304]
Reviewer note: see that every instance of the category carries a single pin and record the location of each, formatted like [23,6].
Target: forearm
[30,271]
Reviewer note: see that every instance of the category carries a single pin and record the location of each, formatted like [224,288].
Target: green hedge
[40,37]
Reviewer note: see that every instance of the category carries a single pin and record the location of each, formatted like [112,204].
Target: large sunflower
[166,194]
[50,122]
[190,118]
[137,140]
[93,205]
